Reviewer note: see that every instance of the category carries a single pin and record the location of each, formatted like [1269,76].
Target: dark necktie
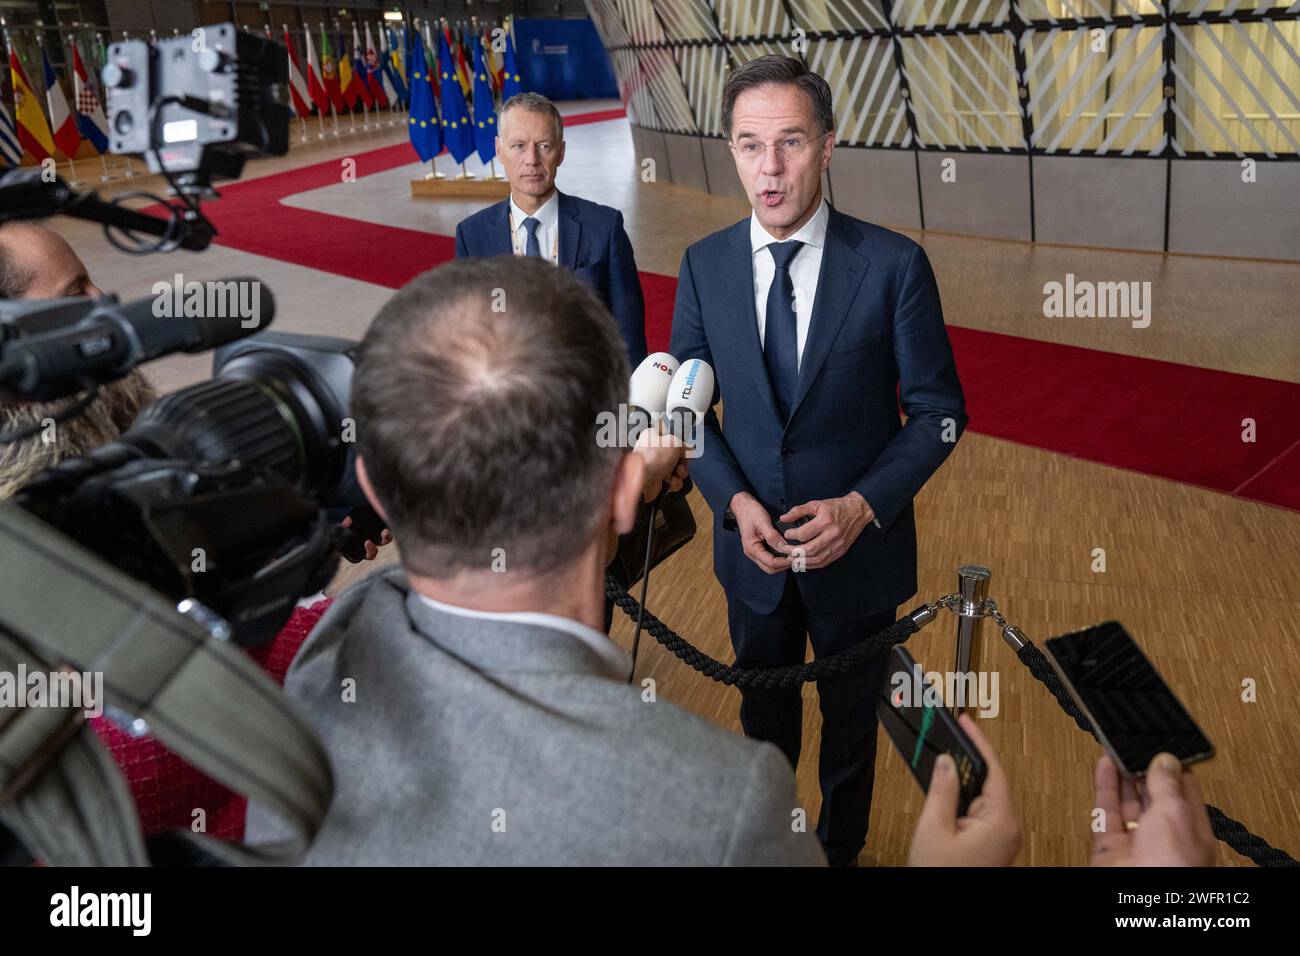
[780,335]
[534,247]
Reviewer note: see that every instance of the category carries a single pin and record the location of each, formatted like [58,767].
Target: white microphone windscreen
[650,382]
[691,388]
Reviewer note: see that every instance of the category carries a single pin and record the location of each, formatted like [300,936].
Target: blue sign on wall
[564,59]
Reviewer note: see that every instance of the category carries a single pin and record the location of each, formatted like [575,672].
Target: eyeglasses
[752,151]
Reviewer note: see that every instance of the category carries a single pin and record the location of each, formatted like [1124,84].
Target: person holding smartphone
[1158,821]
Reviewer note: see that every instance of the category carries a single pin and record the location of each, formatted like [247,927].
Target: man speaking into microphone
[841,322]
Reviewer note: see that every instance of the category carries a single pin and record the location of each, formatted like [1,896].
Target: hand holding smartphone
[1132,710]
[922,728]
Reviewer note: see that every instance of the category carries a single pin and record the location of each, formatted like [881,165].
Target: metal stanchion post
[973,592]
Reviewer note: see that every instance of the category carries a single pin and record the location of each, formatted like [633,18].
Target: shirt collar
[547,214]
[812,232]
[610,655]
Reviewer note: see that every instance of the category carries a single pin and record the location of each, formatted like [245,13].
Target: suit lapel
[842,271]
[500,242]
[738,279]
[570,232]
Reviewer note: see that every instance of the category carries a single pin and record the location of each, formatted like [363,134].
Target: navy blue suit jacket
[593,245]
[876,338]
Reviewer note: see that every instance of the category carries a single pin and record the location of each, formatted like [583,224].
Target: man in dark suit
[539,220]
[817,325]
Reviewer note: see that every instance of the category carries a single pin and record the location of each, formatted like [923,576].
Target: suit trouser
[847,762]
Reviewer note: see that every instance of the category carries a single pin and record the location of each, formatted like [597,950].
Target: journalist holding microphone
[841,322]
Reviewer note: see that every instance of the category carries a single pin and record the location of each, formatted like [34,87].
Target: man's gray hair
[533,103]
[479,396]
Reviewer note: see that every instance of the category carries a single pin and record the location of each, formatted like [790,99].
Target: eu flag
[457,131]
[511,85]
[485,111]
[426,136]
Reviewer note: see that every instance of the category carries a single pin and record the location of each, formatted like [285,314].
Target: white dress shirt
[609,652]
[548,233]
[805,269]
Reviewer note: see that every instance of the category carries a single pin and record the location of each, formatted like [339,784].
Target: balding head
[478,396]
[37,263]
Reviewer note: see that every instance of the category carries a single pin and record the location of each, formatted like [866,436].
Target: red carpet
[1159,418]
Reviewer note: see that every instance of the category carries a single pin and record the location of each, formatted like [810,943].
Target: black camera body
[198,105]
[228,491]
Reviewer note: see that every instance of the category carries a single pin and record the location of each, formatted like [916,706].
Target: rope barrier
[1226,829]
[760,677]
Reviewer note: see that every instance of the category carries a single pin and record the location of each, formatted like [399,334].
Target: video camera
[228,492]
[197,106]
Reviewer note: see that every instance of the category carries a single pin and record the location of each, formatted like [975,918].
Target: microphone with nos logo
[690,394]
[648,393]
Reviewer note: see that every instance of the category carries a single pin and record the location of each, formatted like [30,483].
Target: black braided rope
[1226,829]
[769,678]
[1041,667]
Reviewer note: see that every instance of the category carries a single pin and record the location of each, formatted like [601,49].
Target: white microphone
[690,394]
[648,392]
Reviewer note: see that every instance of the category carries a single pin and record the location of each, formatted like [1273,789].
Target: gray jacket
[459,740]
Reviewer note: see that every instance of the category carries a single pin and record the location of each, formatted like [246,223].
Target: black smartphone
[1132,709]
[912,713]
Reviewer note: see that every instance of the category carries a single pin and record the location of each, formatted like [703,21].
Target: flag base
[458,188]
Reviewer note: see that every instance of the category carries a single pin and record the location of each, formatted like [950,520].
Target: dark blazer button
[787,451]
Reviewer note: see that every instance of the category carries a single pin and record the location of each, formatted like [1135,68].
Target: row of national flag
[340,78]
[369,75]
[437,88]
[440,114]
[28,128]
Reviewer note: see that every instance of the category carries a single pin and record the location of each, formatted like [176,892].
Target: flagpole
[302,123]
[320,113]
[103,161]
[383,71]
[334,113]
[72,167]
[49,108]
[338,62]
[361,81]
[72,109]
